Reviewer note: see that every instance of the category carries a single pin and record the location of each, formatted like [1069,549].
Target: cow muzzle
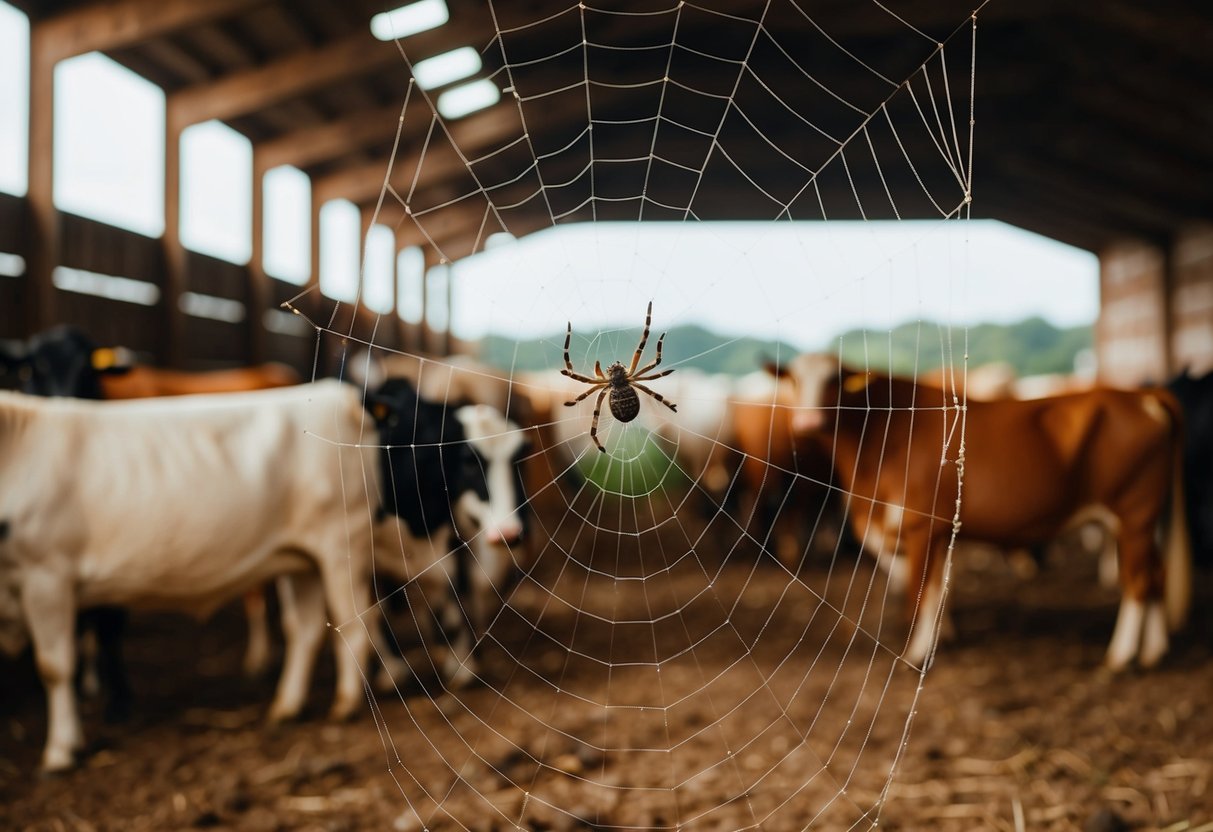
[504,534]
[807,421]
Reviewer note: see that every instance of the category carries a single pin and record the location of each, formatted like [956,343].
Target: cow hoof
[281,714]
[1151,655]
[56,763]
[459,674]
[343,711]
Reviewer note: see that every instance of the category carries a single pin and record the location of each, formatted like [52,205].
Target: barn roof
[1093,121]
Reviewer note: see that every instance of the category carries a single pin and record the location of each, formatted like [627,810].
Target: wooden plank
[318,143]
[258,289]
[44,246]
[475,135]
[113,24]
[172,324]
[301,72]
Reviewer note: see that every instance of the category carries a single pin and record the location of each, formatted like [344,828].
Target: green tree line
[1031,346]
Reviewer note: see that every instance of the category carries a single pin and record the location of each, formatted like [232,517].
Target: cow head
[438,457]
[63,361]
[495,503]
[817,381]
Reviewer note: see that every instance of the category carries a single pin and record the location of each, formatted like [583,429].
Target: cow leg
[347,591]
[303,623]
[925,597]
[49,606]
[393,670]
[257,652]
[1141,630]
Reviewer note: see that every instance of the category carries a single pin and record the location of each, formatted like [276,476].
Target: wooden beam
[318,143]
[175,262]
[114,24]
[259,283]
[44,244]
[476,134]
[245,92]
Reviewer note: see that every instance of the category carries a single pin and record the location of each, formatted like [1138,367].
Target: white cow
[181,505]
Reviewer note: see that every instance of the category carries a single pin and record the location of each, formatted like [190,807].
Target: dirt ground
[750,703]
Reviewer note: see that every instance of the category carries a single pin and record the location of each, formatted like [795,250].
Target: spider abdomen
[625,404]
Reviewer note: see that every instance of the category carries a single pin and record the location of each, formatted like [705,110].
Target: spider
[622,383]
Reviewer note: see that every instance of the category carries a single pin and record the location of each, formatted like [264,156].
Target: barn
[1085,123]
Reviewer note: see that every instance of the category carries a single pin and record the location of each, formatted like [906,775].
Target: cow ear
[855,382]
[111,360]
[775,369]
[380,407]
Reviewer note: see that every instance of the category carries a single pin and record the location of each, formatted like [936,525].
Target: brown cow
[1030,469]
[783,486]
[150,382]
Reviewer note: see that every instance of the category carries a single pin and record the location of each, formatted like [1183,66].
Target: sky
[798,281]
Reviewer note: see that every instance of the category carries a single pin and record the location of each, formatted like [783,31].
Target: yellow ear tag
[855,383]
[103,358]
[379,410]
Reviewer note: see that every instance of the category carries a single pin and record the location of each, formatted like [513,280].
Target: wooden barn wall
[113,252]
[215,342]
[1192,300]
[13,234]
[1156,316]
[1130,336]
[221,324]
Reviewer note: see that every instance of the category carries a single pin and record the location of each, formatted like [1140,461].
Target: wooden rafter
[309,145]
[114,24]
[245,92]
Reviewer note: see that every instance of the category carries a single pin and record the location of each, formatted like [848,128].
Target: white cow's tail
[1177,560]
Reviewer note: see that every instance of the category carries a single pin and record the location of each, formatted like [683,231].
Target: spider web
[666,655]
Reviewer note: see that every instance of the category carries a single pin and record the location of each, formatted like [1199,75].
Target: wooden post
[448,341]
[258,298]
[172,345]
[43,251]
[432,259]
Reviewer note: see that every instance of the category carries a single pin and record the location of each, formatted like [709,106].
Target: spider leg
[568,364]
[583,395]
[598,370]
[655,395]
[644,339]
[656,360]
[662,374]
[568,339]
[580,377]
[594,424]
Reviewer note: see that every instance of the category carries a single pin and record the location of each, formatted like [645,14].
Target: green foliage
[635,465]
[1031,346]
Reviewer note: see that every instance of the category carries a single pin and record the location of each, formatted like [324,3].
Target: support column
[432,259]
[43,252]
[448,340]
[258,298]
[172,346]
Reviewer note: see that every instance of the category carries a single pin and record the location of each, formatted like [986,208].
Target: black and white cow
[182,504]
[1195,394]
[62,361]
[453,476]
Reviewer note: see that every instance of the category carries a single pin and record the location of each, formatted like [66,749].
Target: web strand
[663,658]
